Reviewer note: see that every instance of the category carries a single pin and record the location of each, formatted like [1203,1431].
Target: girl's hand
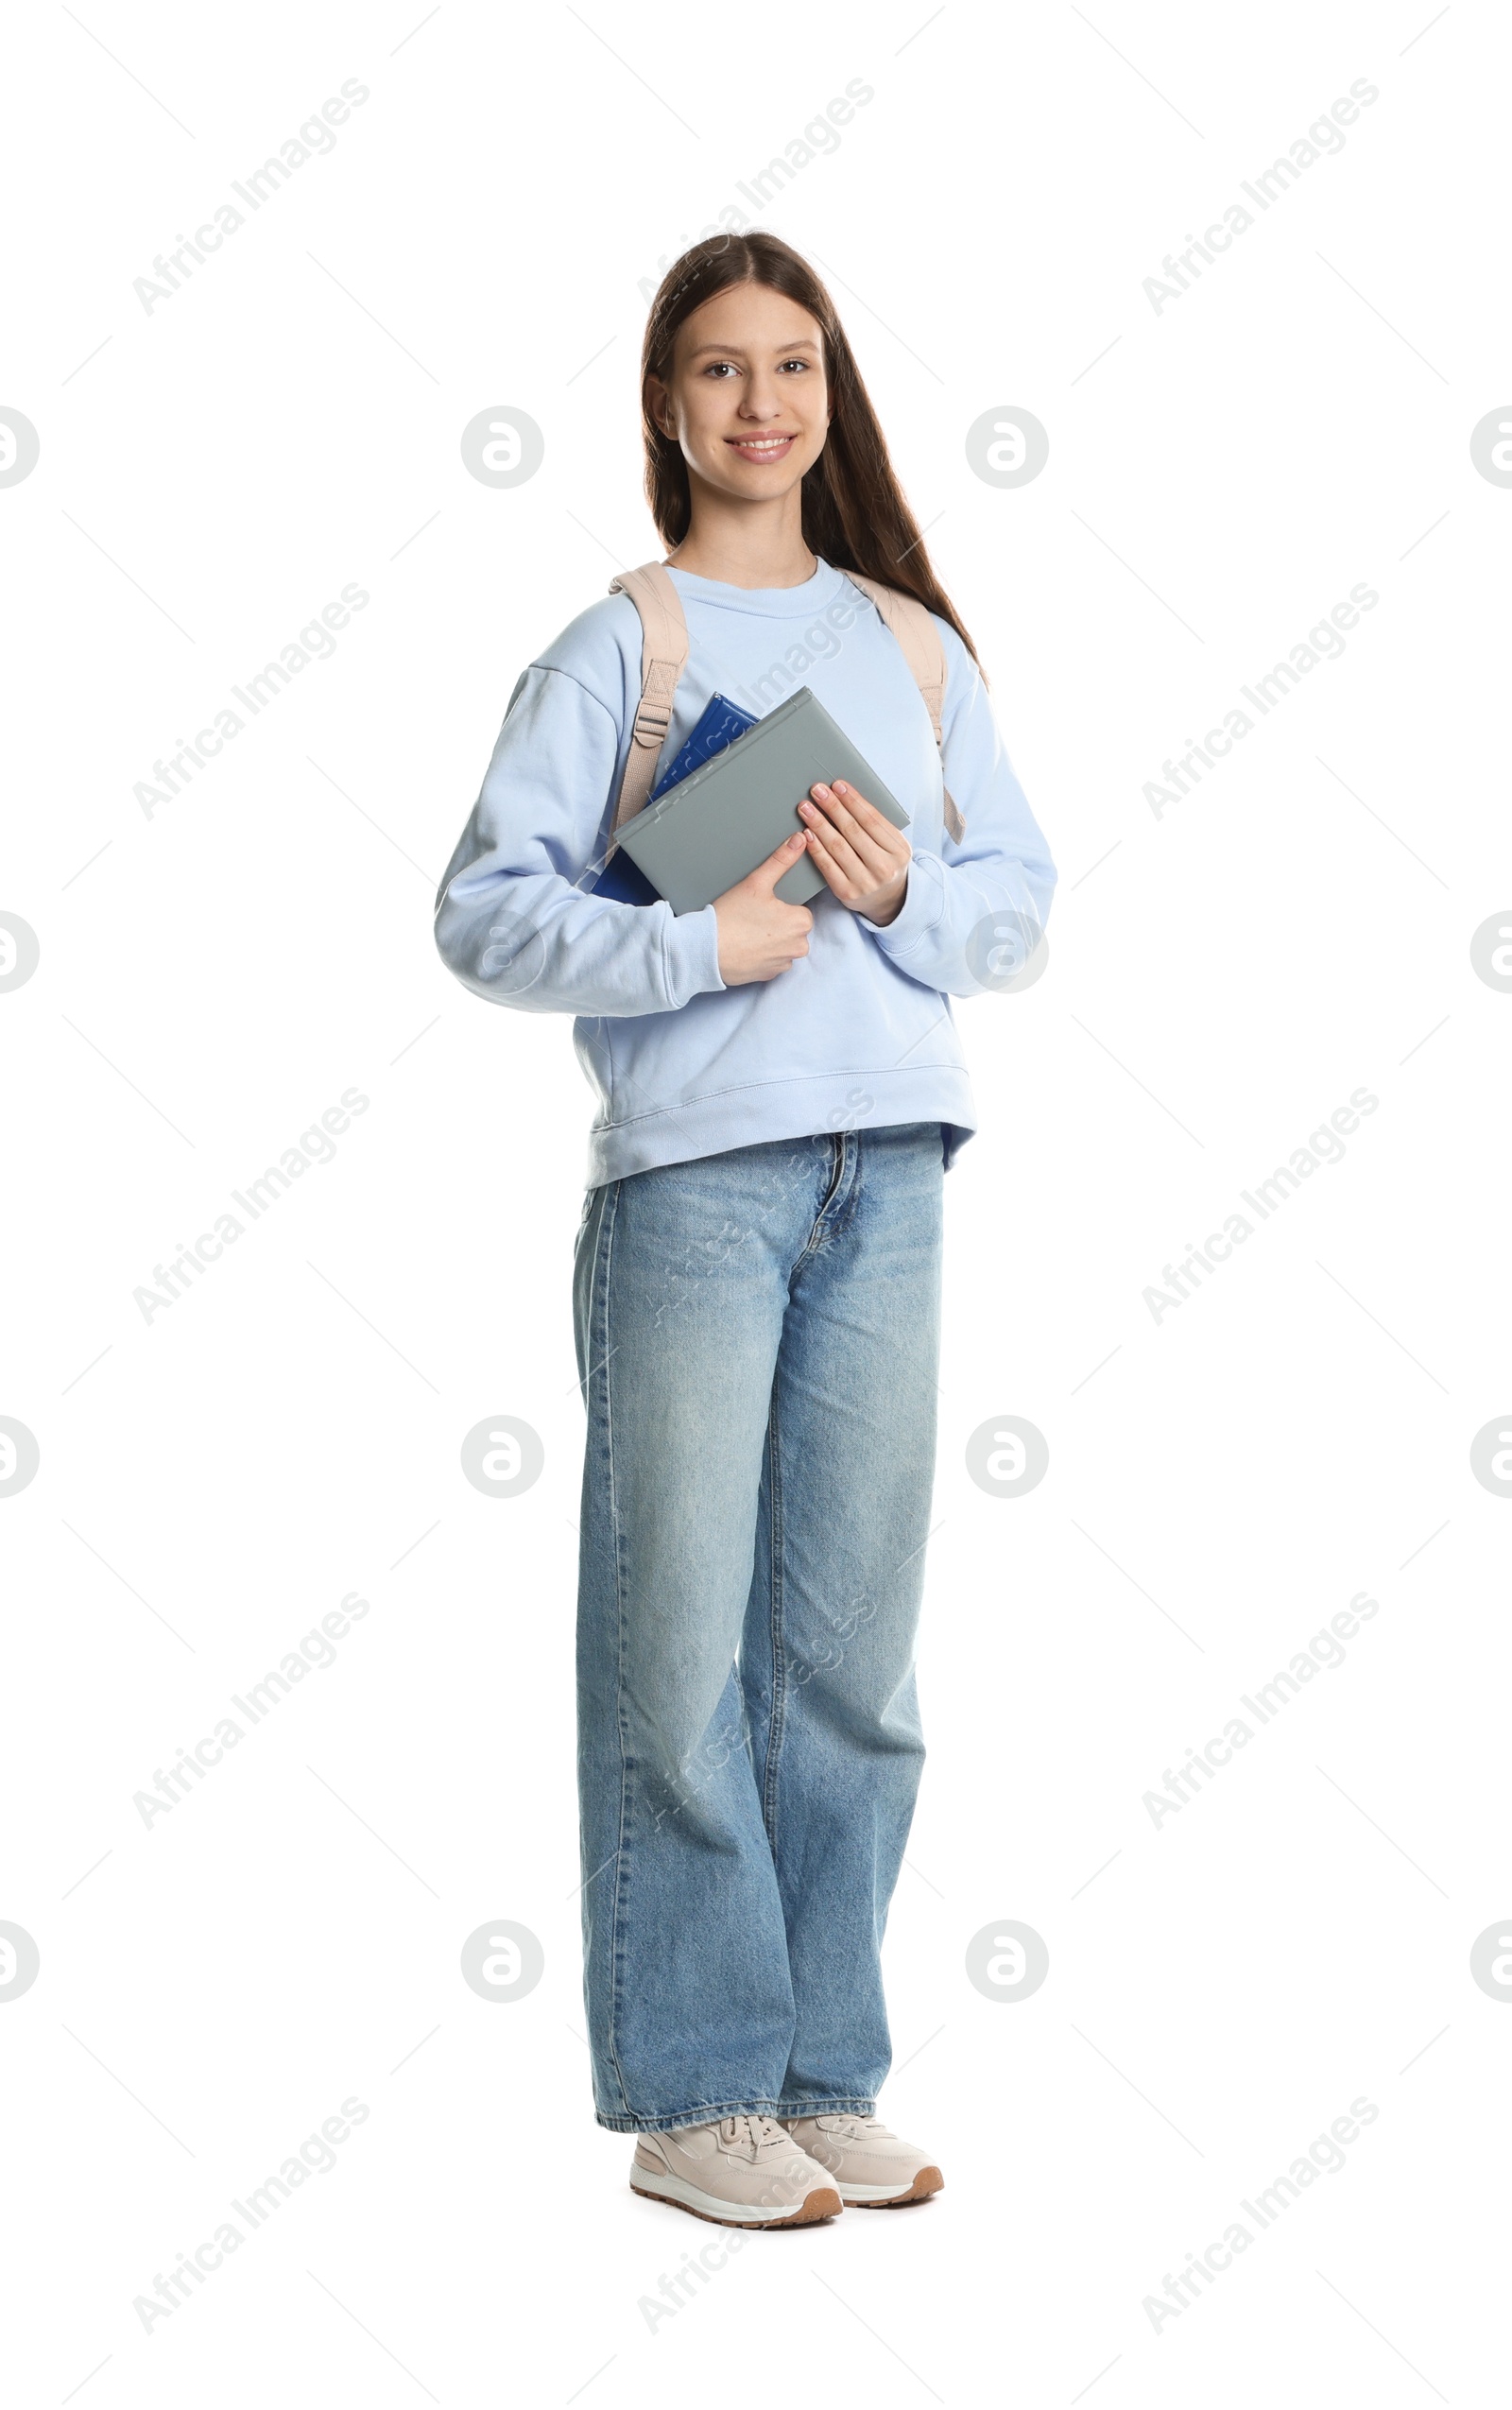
[760,936]
[862,857]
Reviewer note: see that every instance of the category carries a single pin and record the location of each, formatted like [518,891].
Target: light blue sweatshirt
[858,1032]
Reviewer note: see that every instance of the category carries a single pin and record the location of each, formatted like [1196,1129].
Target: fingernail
[818,788]
[840,788]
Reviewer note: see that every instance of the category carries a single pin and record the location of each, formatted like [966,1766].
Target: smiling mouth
[761,447]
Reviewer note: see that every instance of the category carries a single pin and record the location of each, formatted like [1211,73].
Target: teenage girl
[781,1089]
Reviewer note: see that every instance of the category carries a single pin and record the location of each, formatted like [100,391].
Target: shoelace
[852,2128]
[750,2133]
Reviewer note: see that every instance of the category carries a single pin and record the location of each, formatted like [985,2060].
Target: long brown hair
[855,514]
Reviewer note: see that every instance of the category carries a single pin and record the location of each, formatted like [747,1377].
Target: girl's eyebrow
[739,351]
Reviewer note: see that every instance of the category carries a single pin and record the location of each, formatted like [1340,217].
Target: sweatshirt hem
[792,1108]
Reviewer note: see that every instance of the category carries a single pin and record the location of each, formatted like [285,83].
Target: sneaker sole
[928,2180]
[823,2202]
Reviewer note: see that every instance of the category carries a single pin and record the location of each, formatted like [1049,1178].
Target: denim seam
[840,1143]
[775,1721]
[612,2044]
[705,2112]
[851,1141]
[818,1236]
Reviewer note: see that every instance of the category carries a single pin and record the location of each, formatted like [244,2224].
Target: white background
[1221,1482]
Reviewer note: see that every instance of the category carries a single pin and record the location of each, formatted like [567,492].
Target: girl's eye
[722,367]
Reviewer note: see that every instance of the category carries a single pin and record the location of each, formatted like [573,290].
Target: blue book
[718,727]
[721,723]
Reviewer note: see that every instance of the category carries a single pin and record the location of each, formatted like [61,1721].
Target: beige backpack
[665,649]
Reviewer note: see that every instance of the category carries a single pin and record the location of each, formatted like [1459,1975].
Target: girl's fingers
[856,863]
[873,839]
[853,800]
[830,845]
[856,894]
[840,885]
[842,827]
[855,811]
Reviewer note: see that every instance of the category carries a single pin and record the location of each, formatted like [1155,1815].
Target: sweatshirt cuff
[923,908]
[691,954]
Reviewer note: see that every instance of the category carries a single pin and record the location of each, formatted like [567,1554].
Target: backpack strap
[919,641]
[664,652]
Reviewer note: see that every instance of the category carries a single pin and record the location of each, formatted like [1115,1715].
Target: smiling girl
[758,1265]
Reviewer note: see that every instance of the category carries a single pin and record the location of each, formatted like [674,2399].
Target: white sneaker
[742,2171]
[871,2167]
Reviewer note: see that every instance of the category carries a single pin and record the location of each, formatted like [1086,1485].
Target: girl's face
[747,400]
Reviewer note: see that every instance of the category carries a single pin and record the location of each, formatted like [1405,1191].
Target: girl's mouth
[761,447]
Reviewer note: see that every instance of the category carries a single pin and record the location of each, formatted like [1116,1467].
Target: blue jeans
[757,1343]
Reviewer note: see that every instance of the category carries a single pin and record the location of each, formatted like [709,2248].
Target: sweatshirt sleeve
[511,920]
[972,909]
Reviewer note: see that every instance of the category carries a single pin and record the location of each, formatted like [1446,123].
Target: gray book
[712,829]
